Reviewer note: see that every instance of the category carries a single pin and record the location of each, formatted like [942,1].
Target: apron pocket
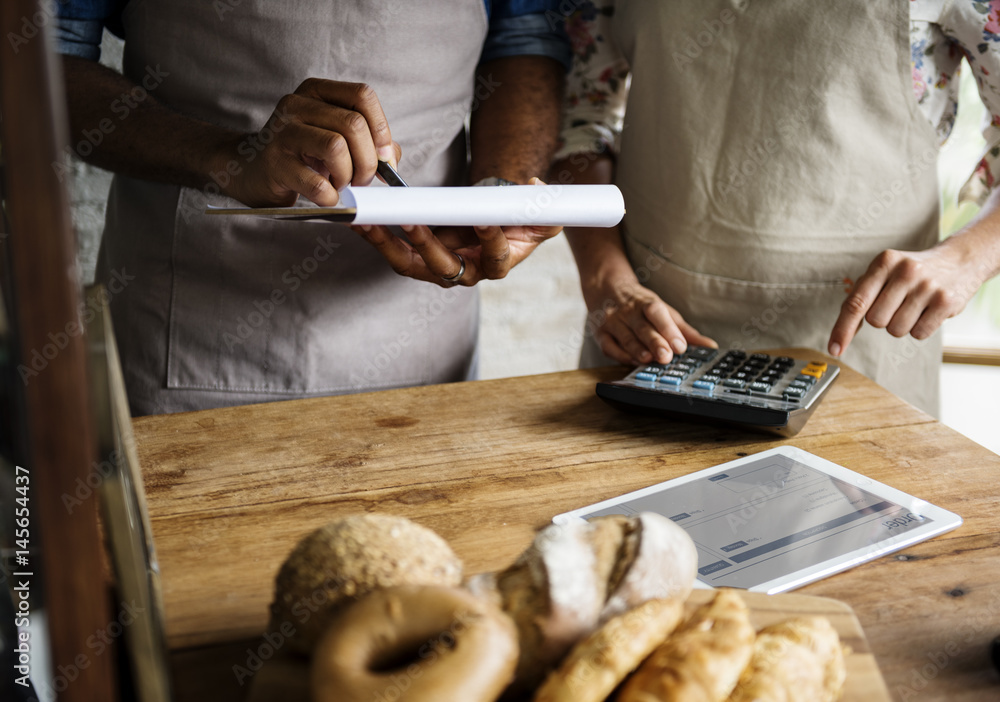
[291,308]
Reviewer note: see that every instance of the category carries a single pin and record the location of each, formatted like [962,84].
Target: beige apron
[771,150]
[222,311]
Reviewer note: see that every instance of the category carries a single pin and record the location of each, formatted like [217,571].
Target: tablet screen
[764,519]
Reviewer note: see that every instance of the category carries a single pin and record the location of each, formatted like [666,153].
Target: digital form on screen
[775,523]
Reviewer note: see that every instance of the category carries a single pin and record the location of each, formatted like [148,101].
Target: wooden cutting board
[284,677]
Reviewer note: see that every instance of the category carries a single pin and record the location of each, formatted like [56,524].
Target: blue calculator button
[703,384]
[643,375]
[670,380]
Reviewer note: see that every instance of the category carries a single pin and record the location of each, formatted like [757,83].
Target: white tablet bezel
[942,520]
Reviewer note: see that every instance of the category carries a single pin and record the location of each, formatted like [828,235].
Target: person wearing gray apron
[767,171]
[221,311]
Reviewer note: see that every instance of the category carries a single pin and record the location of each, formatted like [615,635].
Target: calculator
[757,391]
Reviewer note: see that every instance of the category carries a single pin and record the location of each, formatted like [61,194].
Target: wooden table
[485,464]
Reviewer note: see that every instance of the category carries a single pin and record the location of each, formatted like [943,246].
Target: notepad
[513,205]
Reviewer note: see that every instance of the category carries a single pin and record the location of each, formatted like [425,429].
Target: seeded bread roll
[345,560]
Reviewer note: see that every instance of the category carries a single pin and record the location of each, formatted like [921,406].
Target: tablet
[782,518]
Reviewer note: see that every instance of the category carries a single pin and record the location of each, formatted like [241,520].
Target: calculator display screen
[772,517]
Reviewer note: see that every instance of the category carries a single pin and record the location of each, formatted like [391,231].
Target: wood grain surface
[286,677]
[486,464]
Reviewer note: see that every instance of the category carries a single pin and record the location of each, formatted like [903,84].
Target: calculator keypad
[737,377]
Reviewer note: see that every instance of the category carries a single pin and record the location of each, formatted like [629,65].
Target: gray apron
[771,150]
[222,311]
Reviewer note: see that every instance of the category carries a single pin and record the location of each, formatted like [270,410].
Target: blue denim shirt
[517,28]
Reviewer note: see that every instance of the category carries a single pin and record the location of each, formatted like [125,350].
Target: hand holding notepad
[515,205]
[509,223]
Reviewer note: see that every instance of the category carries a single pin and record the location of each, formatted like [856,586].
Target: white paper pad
[511,205]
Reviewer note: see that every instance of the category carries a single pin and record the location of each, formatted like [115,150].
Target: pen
[389,174]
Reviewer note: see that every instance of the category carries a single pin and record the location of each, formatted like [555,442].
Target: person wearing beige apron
[773,158]
[220,311]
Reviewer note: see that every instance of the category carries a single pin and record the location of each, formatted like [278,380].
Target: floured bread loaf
[577,575]
[655,559]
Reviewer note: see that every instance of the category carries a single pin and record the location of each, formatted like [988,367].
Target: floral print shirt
[942,33]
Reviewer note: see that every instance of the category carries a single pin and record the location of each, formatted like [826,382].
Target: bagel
[348,558]
[415,644]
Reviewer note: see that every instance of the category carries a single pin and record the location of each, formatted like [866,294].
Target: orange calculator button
[814,369]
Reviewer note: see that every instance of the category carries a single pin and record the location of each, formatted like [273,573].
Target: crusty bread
[797,660]
[657,559]
[553,594]
[596,665]
[576,575]
[702,660]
